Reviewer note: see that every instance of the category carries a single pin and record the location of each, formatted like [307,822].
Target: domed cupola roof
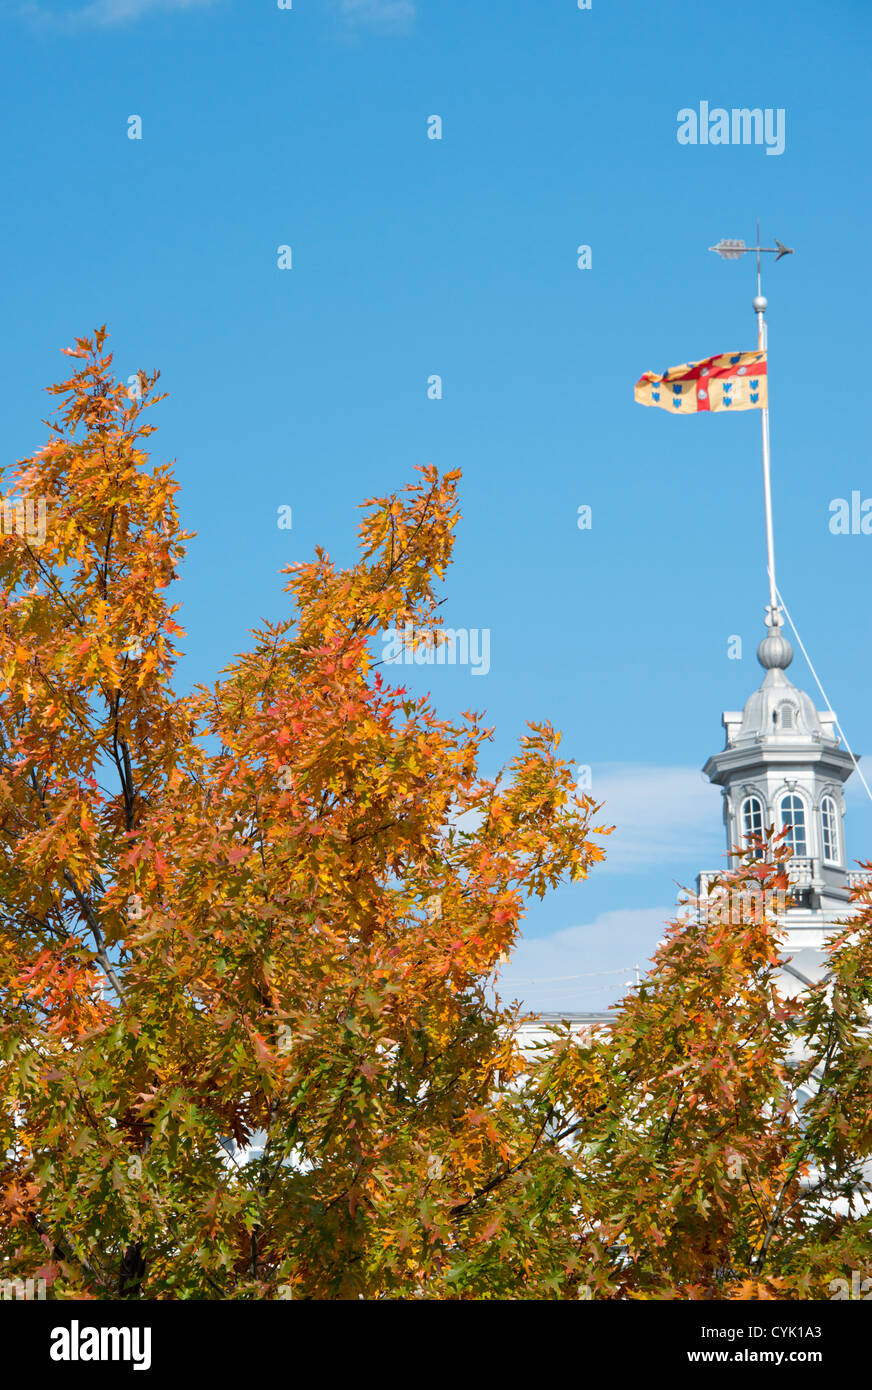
[778,710]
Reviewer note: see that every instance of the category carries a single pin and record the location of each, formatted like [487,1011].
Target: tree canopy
[250,1045]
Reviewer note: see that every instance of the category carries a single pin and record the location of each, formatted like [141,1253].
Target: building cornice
[768,755]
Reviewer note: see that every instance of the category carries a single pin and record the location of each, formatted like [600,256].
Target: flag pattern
[729,381]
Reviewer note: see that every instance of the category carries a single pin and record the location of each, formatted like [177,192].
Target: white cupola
[783,765]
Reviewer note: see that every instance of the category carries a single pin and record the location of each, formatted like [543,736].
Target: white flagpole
[762,343]
[774,618]
[733,250]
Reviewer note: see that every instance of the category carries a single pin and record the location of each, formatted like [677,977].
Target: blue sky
[307,127]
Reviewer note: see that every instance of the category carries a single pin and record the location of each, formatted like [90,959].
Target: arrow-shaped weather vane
[732,249]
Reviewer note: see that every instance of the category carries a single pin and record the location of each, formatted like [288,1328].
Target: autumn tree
[248,936]
[250,1045]
[728,1149]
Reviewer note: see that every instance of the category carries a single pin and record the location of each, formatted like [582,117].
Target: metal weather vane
[731,249]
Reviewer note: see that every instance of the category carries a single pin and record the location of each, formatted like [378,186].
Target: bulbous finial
[775,650]
[760,304]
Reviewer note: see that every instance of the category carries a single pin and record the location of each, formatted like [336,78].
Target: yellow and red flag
[729,381]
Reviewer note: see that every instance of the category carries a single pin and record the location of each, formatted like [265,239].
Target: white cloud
[583,969]
[394,15]
[662,816]
[105,13]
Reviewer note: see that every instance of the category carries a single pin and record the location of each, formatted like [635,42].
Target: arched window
[830,830]
[752,817]
[793,818]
